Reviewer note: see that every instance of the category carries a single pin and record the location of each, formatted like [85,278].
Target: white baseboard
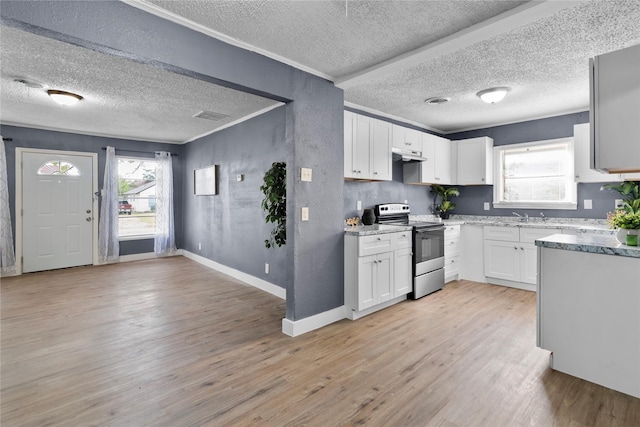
[147,255]
[511,284]
[247,278]
[302,326]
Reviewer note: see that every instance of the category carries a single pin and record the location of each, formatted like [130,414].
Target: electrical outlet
[588,204]
[487,206]
[619,204]
[359,205]
[266,268]
[199,246]
[239,177]
[305,214]
[305,174]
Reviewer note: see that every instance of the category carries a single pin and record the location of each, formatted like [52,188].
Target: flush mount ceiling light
[437,100]
[64,98]
[494,94]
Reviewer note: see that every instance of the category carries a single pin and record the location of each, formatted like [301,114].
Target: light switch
[587,204]
[305,214]
[305,174]
[359,205]
[487,206]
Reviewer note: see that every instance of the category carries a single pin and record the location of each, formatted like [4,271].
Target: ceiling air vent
[210,115]
[437,100]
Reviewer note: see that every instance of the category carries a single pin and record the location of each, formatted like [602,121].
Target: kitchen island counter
[596,244]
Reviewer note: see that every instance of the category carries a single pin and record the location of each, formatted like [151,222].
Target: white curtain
[164,241]
[7,254]
[108,243]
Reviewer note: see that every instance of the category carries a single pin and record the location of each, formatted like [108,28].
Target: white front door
[57,203]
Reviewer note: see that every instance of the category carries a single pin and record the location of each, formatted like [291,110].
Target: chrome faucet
[524,218]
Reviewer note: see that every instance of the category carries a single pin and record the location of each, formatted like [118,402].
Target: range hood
[407,155]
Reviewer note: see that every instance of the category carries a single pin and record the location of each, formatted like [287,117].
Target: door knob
[88,210]
[89,219]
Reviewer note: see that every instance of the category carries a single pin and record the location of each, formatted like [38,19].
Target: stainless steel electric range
[428,247]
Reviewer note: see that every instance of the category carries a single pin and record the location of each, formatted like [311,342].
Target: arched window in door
[58,167]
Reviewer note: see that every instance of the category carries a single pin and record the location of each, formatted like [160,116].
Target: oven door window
[429,245]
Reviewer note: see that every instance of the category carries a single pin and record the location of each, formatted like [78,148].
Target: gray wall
[230,225]
[395,191]
[472,198]
[314,121]
[50,140]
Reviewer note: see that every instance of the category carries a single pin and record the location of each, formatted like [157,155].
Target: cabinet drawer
[404,240]
[452,232]
[376,244]
[451,246]
[451,266]
[529,235]
[507,234]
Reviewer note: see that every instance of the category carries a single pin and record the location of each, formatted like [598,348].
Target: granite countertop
[365,230]
[597,244]
[581,225]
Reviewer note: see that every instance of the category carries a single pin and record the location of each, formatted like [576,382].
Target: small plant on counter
[275,203]
[444,208]
[623,219]
[630,191]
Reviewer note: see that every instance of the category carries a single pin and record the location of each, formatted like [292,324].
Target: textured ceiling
[543,59]
[337,37]
[122,98]
[388,56]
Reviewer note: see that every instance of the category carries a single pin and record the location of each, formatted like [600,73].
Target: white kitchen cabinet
[615,111]
[582,161]
[451,253]
[377,271]
[367,148]
[472,253]
[510,255]
[406,139]
[438,168]
[475,161]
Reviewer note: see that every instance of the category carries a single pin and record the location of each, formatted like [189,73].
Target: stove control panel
[392,209]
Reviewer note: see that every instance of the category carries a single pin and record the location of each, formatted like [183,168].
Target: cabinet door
[405,138]
[350,170]
[475,161]
[403,275]
[428,166]
[502,260]
[381,150]
[366,281]
[384,277]
[362,142]
[615,105]
[528,263]
[443,162]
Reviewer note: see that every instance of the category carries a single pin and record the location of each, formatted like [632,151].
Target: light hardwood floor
[172,343]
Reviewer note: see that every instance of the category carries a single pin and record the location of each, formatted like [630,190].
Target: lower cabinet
[510,255]
[377,271]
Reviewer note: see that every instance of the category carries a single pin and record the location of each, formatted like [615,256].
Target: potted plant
[627,218]
[444,208]
[275,203]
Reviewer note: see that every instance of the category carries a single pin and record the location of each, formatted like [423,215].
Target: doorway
[56,220]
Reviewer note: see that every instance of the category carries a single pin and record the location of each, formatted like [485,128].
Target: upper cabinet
[407,139]
[475,161]
[367,148]
[439,166]
[615,111]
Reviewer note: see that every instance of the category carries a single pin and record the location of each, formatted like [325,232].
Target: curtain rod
[138,151]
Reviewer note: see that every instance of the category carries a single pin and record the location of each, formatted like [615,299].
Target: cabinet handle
[515,247]
[452,243]
[521,248]
[375,173]
[437,179]
[482,179]
[379,238]
[355,171]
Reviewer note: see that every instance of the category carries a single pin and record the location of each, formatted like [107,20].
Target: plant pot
[444,215]
[628,237]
